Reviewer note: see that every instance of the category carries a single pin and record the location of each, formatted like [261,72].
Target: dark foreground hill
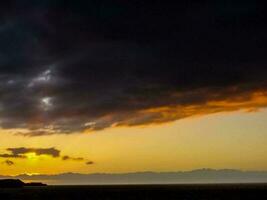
[11,183]
[16,183]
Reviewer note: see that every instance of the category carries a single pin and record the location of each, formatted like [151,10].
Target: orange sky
[224,140]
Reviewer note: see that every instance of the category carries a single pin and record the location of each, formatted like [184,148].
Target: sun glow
[32,174]
[32,156]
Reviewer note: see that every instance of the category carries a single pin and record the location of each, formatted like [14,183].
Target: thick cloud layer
[71,66]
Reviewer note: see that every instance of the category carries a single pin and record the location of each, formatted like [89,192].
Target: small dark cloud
[21,151]
[89,163]
[72,158]
[8,162]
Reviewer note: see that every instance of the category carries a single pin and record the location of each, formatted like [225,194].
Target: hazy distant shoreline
[183,177]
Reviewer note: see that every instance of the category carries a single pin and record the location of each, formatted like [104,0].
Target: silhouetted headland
[35,184]
[16,183]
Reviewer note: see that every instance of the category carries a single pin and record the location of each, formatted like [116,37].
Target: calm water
[166,192]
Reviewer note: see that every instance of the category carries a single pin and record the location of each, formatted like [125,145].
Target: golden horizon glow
[239,139]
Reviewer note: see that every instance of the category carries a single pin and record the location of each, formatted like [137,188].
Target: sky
[100,86]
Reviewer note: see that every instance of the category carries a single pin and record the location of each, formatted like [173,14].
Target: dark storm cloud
[69,66]
[8,162]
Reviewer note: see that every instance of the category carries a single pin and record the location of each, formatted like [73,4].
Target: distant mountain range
[183,177]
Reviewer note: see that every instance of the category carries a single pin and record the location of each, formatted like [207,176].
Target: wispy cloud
[72,158]
[89,163]
[8,162]
[5,155]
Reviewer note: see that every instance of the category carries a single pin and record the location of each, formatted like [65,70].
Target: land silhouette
[198,176]
[16,183]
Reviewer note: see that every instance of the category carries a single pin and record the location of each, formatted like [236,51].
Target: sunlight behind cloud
[32,156]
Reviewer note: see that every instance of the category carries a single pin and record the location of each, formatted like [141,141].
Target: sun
[32,156]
